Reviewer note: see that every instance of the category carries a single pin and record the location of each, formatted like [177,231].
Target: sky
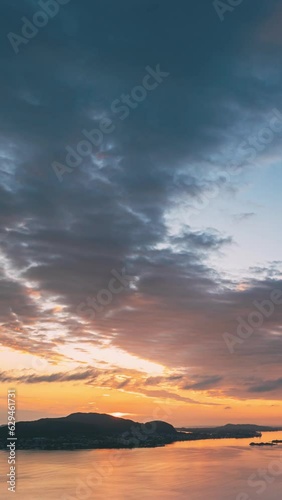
[140,202]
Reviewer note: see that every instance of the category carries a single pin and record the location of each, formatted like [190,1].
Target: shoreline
[43,444]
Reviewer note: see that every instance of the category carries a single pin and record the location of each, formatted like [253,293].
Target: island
[263,444]
[96,431]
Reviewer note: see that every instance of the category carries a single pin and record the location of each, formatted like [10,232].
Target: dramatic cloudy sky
[183,196]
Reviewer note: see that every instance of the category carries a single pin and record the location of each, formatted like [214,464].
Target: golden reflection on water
[198,470]
[221,443]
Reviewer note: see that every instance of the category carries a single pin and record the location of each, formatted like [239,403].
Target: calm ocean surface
[204,470]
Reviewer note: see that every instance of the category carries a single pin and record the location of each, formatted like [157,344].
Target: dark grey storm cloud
[267,386]
[205,383]
[63,239]
[89,374]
